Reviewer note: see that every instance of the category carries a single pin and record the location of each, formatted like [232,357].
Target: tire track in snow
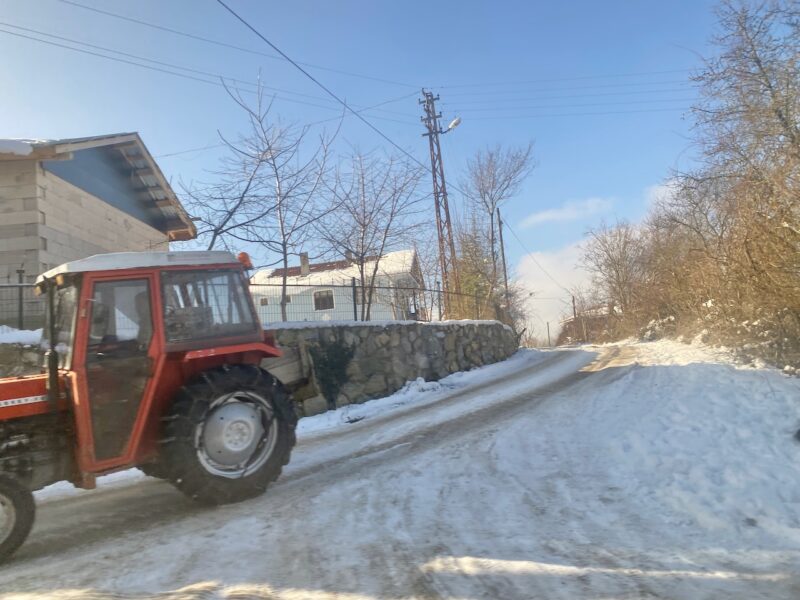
[70,523]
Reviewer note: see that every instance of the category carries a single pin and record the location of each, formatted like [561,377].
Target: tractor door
[117,361]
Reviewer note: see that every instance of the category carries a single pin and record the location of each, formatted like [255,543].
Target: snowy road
[618,472]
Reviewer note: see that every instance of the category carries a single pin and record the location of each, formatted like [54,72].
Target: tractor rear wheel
[230,432]
[17,511]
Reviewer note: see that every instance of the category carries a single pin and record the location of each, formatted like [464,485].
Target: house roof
[341,272]
[153,187]
[133,260]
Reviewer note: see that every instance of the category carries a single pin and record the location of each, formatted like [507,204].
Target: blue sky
[514,72]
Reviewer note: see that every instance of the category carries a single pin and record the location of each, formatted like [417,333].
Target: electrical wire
[221,144]
[322,86]
[573,78]
[179,74]
[227,45]
[570,88]
[579,114]
[626,93]
[579,105]
[533,258]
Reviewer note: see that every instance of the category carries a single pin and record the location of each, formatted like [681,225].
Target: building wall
[99,174]
[45,221]
[301,308]
[19,219]
[76,224]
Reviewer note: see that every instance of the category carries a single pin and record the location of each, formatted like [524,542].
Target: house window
[42,243]
[323,300]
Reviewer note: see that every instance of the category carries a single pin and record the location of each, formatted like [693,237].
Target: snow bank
[416,393]
[9,335]
[63,489]
[320,324]
[698,450]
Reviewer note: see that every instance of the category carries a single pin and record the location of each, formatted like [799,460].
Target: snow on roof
[18,147]
[132,260]
[399,262]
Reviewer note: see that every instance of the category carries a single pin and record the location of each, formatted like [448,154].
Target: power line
[573,78]
[221,144]
[536,262]
[168,71]
[225,44]
[579,114]
[570,96]
[570,88]
[579,105]
[524,247]
[322,86]
[158,62]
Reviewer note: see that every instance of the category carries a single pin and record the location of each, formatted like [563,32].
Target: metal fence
[20,308]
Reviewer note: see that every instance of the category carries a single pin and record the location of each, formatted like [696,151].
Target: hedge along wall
[346,363]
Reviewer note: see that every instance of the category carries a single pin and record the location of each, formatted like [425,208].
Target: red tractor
[152,361]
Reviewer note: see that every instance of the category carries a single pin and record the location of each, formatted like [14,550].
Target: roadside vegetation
[719,253]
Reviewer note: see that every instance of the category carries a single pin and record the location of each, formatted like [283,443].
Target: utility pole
[447,250]
[549,344]
[503,256]
[574,317]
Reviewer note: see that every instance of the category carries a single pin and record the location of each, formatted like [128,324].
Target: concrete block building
[61,200]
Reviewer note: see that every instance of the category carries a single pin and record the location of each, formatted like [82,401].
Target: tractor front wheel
[230,433]
[17,511]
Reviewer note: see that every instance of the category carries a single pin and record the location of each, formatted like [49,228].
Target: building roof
[340,272]
[114,261]
[153,187]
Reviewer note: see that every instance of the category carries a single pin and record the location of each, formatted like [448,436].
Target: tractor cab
[119,318]
[152,359]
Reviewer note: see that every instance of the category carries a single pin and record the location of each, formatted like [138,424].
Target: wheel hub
[231,433]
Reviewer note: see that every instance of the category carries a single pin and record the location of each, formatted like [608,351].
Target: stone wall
[385,356]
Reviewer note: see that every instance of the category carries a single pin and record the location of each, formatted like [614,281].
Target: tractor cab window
[120,316]
[205,304]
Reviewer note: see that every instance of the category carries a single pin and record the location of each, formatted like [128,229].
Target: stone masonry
[387,355]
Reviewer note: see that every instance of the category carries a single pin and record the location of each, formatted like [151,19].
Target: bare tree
[377,200]
[723,252]
[493,177]
[271,190]
[293,179]
[613,254]
[226,209]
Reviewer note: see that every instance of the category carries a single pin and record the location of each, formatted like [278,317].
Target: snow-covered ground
[9,335]
[657,470]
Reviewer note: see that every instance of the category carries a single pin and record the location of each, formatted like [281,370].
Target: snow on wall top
[131,260]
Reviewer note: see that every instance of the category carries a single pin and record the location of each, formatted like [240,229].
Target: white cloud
[569,211]
[660,192]
[549,301]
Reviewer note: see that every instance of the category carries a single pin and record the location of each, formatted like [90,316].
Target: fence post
[20,301]
[477,307]
[355,304]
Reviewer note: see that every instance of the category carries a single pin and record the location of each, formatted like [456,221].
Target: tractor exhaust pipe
[51,356]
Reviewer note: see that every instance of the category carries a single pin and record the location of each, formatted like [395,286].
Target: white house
[324,291]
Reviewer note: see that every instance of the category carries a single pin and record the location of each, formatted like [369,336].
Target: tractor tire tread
[189,409]
[25,508]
